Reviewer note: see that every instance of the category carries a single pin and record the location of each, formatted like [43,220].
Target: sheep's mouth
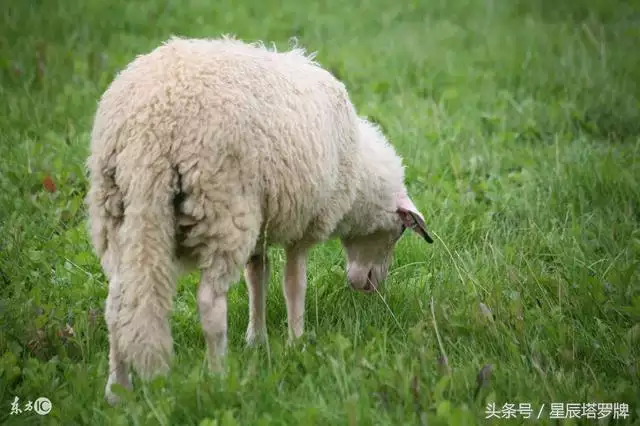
[370,285]
[362,284]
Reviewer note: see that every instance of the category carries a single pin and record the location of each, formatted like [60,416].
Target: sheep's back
[271,130]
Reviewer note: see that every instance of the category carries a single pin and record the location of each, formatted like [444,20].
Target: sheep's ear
[411,217]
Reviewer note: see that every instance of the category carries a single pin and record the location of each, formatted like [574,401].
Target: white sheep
[205,152]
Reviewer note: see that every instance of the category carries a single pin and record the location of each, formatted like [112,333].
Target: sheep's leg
[228,238]
[118,369]
[256,275]
[212,305]
[295,285]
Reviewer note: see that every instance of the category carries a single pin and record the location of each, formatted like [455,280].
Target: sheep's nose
[365,286]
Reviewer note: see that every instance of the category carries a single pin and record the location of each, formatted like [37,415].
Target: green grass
[519,122]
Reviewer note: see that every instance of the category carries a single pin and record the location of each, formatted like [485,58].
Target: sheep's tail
[148,270]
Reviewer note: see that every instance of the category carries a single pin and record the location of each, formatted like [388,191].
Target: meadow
[519,123]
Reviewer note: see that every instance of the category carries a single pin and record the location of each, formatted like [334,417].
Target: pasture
[519,123]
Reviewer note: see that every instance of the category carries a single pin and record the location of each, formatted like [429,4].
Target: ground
[519,123]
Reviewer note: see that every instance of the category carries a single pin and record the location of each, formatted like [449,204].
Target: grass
[519,123]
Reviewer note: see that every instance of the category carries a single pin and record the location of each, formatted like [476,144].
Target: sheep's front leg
[256,274]
[295,285]
[212,306]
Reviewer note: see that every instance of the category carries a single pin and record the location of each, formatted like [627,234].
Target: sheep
[204,153]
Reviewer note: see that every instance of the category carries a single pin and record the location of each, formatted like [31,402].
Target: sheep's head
[369,256]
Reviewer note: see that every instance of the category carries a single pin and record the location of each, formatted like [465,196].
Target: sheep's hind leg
[219,271]
[225,246]
[256,273]
[118,369]
[212,305]
[294,286]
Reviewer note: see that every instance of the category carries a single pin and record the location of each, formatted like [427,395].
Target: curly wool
[204,151]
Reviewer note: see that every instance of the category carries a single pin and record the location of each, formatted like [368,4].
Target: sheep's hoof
[111,398]
[256,337]
[295,342]
[216,365]
[109,395]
